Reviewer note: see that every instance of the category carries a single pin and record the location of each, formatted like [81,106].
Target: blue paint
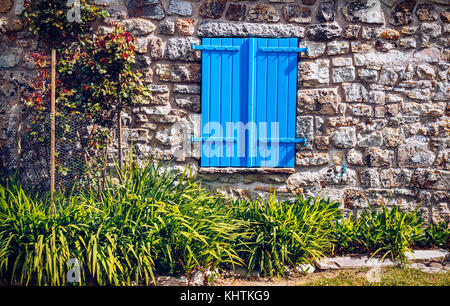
[249,80]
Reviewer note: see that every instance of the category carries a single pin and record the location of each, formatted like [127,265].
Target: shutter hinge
[215,48]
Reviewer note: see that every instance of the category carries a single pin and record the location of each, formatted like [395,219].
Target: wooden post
[120,141]
[52,129]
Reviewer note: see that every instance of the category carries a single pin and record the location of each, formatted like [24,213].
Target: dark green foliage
[285,234]
[436,235]
[387,231]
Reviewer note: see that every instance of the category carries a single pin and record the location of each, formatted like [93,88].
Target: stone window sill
[247,170]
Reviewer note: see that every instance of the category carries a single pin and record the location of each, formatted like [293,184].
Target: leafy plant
[388,231]
[435,235]
[285,234]
[55,22]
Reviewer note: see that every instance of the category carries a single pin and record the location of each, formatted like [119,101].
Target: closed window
[248,96]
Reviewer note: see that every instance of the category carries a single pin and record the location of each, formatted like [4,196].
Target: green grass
[392,276]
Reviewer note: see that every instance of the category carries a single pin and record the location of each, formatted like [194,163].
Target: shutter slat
[225,107]
[206,100]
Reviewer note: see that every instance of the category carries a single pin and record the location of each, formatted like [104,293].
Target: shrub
[435,235]
[387,231]
[284,234]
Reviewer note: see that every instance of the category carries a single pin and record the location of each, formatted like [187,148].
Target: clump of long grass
[150,220]
[285,234]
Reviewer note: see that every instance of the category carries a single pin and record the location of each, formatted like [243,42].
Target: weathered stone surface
[344,138]
[304,128]
[408,42]
[263,13]
[167,27]
[156,48]
[320,32]
[316,49]
[354,92]
[186,26]
[306,178]
[10,57]
[180,49]
[445,16]
[426,12]
[190,103]
[5,5]
[139,26]
[296,13]
[352,262]
[368,75]
[351,31]
[145,8]
[236,12]
[244,29]
[179,73]
[402,14]
[313,73]
[431,179]
[179,7]
[212,8]
[311,159]
[375,157]
[326,11]
[394,178]
[338,175]
[337,47]
[343,74]
[366,11]
[186,89]
[354,157]
[415,153]
[318,101]
[390,34]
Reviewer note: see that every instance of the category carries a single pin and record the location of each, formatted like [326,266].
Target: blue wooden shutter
[224,99]
[250,82]
[275,101]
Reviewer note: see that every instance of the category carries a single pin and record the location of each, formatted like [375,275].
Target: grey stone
[180,7]
[344,138]
[366,11]
[212,8]
[343,74]
[139,26]
[297,14]
[167,27]
[326,11]
[190,103]
[313,73]
[263,13]
[355,92]
[304,128]
[368,75]
[181,49]
[415,153]
[245,29]
[10,57]
[321,32]
[145,8]
[318,101]
[305,269]
[428,256]
[337,47]
[186,89]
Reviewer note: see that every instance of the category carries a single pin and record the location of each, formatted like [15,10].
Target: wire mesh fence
[82,157]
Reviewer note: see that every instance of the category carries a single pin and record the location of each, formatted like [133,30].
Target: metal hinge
[233,139]
[215,48]
[284,49]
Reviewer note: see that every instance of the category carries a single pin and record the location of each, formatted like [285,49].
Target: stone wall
[373,94]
